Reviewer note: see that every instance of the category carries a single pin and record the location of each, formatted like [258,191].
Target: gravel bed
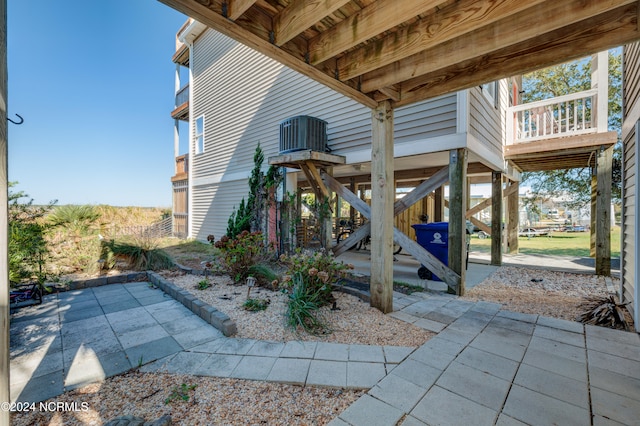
[351,323]
[240,402]
[213,401]
[535,291]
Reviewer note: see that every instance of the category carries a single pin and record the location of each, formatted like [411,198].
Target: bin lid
[434,226]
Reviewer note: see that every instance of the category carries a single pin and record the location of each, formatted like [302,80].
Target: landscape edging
[208,313]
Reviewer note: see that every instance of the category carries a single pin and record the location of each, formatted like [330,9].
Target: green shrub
[240,253]
[180,393]
[203,285]
[320,271]
[140,254]
[302,306]
[255,305]
[265,276]
[28,253]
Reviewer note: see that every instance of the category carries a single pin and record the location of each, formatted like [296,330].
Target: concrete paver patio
[485,366]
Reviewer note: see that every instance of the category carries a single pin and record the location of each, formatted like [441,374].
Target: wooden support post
[5,395]
[327,226]
[496,218]
[594,213]
[514,217]
[382,199]
[438,205]
[352,210]
[603,212]
[457,210]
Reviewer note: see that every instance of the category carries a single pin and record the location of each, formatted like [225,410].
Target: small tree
[250,215]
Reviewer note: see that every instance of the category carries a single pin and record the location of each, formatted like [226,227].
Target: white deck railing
[568,115]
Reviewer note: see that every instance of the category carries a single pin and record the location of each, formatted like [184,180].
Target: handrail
[182,95]
[556,100]
[567,115]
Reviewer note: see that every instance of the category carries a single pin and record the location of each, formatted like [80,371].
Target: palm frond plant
[140,254]
[605,312]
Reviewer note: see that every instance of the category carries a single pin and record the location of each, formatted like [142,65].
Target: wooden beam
[311,180]
[382,199]
[559,146]
[446,274]
[237,7]
[457,209]
[378,17]
[529,23]
[443,25]
[418,252]
[317,180]
[496,218]
[421,191]
[483,227]
[214,19]
[594,213]
[603,213]
[607,31]
[353,239]
[300,15]
[351,198]
[5,393]
[438,205]
[513,216]
[486,203]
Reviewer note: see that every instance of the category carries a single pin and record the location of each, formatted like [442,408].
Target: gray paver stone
[327,373]
[395,354]
[535,408]
[460,411]
[332,351]
[364,375]
[299,349]
[366,353]
[398,392]
[369,411]
[253,368]
[290,370]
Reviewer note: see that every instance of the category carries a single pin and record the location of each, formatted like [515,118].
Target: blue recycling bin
[434,237]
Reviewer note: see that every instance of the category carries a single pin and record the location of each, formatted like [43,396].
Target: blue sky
[94,83]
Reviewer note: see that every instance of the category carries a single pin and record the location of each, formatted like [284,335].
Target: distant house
[236,97]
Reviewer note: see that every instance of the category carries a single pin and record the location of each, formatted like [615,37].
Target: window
[490,91]
[199,134]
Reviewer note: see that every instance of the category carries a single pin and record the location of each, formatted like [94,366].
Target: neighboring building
[629,291]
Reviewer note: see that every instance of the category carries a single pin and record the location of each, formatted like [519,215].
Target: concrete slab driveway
[83,336]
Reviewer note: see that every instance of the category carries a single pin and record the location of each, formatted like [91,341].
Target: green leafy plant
[302,307]
[255,305]
[140,254]
[265,276]
[203,285]
[240,253]
[27,245]
[319,270]
[180,393]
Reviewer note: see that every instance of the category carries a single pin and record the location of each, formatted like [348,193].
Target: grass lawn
[560,243]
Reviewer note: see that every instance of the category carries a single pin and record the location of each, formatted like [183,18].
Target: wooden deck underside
[559,153]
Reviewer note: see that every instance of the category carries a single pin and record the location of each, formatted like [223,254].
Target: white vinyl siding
[630,219]
[245,96]
[486,122]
